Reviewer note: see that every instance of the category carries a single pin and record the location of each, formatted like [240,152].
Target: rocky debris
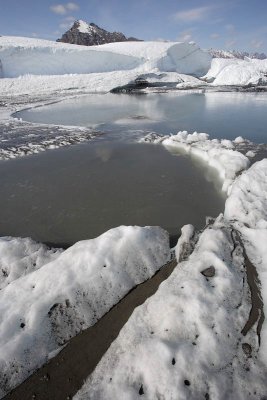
[247,349]
[208,272]
[85,34]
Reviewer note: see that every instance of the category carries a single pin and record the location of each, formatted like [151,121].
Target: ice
[246,207]
[218,154]
[22,56]
[237,72]
[39,312]
[185,341]
[248,200]
[20,256]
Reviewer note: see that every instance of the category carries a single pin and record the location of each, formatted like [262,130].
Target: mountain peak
[86,34]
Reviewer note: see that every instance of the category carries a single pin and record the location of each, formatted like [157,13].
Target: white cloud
[186,36]
[72,6]
[58,9]
[193,14]
[230,43]
[214,36]
[63,9]
[70,18]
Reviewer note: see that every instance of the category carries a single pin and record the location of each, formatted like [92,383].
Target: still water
[66,195]
[78,192]
[221,115]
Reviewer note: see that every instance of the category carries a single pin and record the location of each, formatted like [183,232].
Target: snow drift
[42,310]
[185,342]
[22,56]
[218,154]
[237,72]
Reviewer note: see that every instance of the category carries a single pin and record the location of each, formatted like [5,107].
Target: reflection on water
[66,195]
[222,115]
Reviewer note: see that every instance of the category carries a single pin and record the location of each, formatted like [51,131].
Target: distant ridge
[85,34]
[236,54]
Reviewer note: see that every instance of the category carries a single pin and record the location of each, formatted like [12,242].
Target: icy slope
[246,207]
[20,256]
[190,340]
[22,56]
[185,342]
[237,72]
[42,310]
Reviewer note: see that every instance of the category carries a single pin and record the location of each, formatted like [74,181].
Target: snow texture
[23,56]
[185,342]
[218,154]
[247,209]
[20,256]
[39,312]
[248,201]
[237,72]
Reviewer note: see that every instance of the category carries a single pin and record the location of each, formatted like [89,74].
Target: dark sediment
[64,375]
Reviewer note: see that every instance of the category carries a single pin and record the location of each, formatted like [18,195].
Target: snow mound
[246,208]
[22,56]
[218,154]
[237,72]
[193,320]
[20,256]
[248,200]
[42,310]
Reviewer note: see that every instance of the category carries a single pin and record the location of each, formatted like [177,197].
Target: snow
[218,154]
[22,56]
[247,209]
[237,72]
[199,317]
[84,27]
[80,286]
[248,201]
[185,341]
[21,256]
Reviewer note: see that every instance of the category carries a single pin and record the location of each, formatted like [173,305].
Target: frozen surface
[237,72]
[20,256]
[20,56]
[42,310]
[248,201]
[185,342]
[246,207]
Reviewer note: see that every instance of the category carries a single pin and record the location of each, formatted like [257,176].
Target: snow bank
[42,310]
[21,56]
[20,256]
[218,154]
[185,342]
[246,207]
[237,72]
[248,200]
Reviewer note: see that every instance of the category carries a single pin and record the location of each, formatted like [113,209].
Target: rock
[141,390]
[247,349]
[208,272]
[85,34]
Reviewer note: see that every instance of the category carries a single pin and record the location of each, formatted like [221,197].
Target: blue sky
[235,24]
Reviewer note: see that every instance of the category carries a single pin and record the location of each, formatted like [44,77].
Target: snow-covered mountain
[215,53]
[86,34]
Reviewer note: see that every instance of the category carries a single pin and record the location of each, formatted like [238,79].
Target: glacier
[200,312]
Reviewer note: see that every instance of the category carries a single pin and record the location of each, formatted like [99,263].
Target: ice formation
[40,311]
